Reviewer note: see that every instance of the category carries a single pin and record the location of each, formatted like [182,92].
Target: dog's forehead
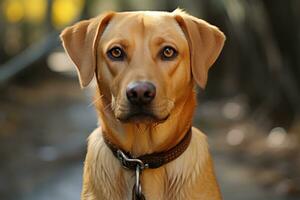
[146,16]
[143,22]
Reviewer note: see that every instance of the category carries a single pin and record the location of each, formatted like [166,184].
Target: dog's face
[143,65]
[144,61]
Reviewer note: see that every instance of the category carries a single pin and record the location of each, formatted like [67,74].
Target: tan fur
[142,35]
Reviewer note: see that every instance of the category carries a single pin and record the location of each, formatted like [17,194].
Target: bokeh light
[35,10]
[13,10]
[65,11]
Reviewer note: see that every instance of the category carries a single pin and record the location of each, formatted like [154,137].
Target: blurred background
[249,110]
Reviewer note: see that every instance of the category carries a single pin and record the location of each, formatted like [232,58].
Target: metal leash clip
[137,188]
[139,166]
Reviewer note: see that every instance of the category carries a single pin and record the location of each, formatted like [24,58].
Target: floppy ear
[80,42]
[205,43]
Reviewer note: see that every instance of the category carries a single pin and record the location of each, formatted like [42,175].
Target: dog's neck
[140,139]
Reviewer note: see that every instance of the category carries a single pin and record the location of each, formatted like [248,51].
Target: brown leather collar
[153,160]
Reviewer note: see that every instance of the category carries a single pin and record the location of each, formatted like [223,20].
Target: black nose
[140,92]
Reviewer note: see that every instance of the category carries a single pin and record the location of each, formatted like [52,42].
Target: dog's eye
[116,53]
[168,53]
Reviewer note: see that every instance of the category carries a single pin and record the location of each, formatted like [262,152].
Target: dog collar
[153,160]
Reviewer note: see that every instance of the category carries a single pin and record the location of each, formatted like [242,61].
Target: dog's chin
[142,118]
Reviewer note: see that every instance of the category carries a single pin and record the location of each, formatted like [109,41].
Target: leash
[140,166]
[152,161]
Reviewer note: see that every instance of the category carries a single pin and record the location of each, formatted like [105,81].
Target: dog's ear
[205,43]
[80,42]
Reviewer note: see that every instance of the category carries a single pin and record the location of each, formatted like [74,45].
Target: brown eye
[116,53]
[168,53]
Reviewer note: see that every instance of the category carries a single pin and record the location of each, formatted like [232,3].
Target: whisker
[107,106]
[95,101]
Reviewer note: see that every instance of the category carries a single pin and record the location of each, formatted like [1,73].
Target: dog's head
[144,61]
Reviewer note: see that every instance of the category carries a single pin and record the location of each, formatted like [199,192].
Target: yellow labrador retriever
[145,65]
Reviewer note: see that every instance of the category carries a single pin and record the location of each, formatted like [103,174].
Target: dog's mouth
[141,116]
[147,114]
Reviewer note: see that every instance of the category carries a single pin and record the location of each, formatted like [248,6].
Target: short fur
[142,35]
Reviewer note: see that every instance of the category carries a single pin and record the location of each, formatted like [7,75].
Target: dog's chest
[153,185]
[176,180]
[156,184]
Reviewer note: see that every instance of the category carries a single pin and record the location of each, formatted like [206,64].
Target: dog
[146,64]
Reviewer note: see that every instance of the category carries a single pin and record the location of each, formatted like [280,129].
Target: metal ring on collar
[123,158]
